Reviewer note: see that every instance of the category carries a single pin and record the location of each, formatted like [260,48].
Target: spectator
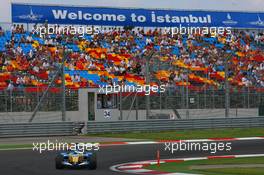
[10,87]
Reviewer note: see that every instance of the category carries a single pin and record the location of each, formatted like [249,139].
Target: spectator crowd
[120,55]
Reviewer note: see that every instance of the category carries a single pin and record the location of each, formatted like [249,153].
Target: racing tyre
[58,162]
[93,162]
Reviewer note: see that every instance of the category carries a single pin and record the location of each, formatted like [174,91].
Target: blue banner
[22,13]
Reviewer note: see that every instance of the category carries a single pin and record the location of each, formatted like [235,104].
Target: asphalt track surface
[28,162]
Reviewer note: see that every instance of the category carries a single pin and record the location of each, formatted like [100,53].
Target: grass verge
[186,167]
[188,134]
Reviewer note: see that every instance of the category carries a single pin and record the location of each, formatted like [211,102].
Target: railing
[40,129]
[175,98]
[26,99]
[161,125]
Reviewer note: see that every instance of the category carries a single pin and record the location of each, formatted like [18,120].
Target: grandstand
[196,67]
[28,60]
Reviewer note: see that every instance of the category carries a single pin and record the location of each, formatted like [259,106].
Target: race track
[28,162]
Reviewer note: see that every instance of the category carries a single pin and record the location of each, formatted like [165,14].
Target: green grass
[235,171]
[189,134]
[184,167]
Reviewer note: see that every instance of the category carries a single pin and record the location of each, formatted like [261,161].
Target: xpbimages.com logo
[63,146]
[147,89]
[212,147]
[192,30]
[51,29]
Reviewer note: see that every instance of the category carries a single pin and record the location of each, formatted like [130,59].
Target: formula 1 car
[76,159]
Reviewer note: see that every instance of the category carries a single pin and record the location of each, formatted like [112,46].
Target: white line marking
[139,171]
[180,174]
[196,158]
[250,155]
[130,166]
[250,138]
[141,143]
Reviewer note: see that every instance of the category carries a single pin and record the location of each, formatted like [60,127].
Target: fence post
[63,110]
[187,96]
[248,91]
[11,100]
[120,105]
[227,91]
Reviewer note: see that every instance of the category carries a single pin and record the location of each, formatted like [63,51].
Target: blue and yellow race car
[76,159]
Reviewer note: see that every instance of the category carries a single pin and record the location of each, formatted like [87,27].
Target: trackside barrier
[40,129]
[161,125]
